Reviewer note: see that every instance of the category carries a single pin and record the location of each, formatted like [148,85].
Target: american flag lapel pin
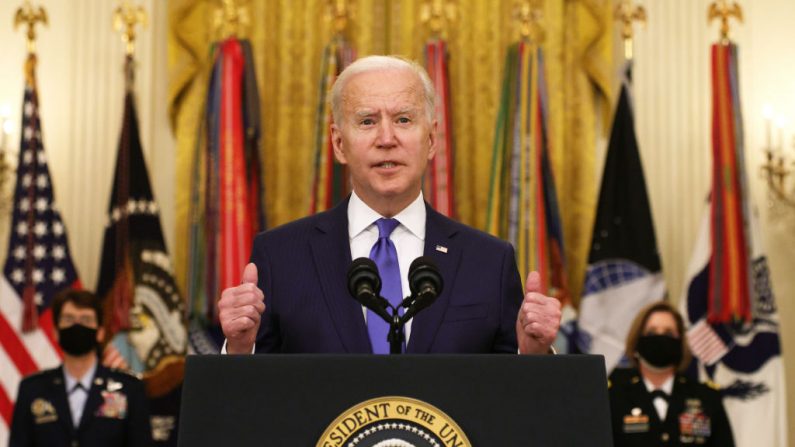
[441,248]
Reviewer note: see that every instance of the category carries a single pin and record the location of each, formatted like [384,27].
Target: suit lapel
[60,401]
[439,246]
[331,252]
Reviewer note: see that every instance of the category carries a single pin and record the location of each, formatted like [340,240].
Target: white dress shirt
[408,237]
[78,397]
[660,404]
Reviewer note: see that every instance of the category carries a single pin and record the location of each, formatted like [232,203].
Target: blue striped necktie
[385,256]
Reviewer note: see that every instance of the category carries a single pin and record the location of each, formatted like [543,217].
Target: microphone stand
[396,336]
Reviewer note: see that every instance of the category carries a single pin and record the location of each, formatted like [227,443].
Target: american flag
[38,265]
[705,342]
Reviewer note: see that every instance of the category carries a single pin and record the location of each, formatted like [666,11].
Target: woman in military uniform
[652,403]
[81,403]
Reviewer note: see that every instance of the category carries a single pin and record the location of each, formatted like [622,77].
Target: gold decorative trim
[721,9]
[395,413]
[30,16]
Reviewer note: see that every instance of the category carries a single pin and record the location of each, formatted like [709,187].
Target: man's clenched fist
[239,310]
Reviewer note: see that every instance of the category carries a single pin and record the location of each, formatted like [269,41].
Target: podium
[360,400]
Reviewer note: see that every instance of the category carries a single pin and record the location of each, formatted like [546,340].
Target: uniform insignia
[441,248]
[114,405]
[43,411]
[162,426]
[694,425]
[114,385]
[636,421]
[712,385]
[98,381]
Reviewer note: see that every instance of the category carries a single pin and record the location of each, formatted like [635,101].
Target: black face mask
[660,350]
[77,339]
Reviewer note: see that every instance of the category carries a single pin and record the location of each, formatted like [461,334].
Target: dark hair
[636,330]
[80,298]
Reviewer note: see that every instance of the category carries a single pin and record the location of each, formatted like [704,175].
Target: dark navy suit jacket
[303,268]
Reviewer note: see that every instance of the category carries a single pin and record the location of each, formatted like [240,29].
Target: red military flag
[226,203]
[439,187]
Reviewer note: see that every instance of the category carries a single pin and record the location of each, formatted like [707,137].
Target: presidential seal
[393,421]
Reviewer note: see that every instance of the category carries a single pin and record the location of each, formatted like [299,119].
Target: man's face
[385,137]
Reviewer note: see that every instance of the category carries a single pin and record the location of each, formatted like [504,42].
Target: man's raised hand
[239,310]
[538,320]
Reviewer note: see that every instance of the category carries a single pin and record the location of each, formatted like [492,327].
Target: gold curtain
[288,37]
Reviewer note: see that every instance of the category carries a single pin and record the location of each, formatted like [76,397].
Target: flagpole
[136,280]
[624,272]
[226,191]
[729,301]
[29,16]
[38,264]
[125,19]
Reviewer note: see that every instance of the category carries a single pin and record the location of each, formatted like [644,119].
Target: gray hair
[380,63]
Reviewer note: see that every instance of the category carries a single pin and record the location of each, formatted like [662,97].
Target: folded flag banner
[438,187]
[523,204]
[729,304]
[226,197]
[145,308]
[330,183]
[38,263]
[624,272]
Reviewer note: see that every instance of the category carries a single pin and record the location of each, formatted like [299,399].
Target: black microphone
[425,283]
[364,284]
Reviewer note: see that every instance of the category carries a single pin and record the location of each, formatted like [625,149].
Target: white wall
[81,88]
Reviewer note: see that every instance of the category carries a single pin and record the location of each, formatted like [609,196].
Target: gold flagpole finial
[721,9]
[231,19]
[628,13]
[340,12]
[528,15]
[125,18]
[438,15]
[30,16]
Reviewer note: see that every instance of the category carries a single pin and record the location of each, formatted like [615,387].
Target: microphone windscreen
[363,269]
[423,269]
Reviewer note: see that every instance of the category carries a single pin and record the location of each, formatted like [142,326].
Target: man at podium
[294,297]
